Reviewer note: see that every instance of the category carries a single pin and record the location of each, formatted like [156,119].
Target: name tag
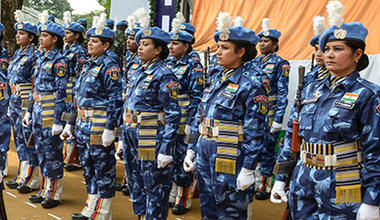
[129,85]
[344,104]
[226,95]
[309,100]
[207,90]
[143,86]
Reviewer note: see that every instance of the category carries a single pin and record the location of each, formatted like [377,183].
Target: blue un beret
[154,33]
[74,26]
[52,28]
[237,33]
[51,18]
[270,33]
[110,22]
[132,32]
[106,33]
[353,30]
[315,40]
[82,21]
[121,23]
[26,26]
[189,28]
[182,36]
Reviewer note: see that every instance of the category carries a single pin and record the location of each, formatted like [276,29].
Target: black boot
[73,167]
[262,193]
[179,210]
[78,216]
[50,203]
[25,189]
[125,191]
[36,198]
[11,184]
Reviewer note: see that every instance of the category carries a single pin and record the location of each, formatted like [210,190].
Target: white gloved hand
[108,137]
[275,127]
[27,120]
[56,129]
[279,189]
[188,164]
[245,179]
[163,160]
[66,133]
[368,212]
[119,151]
[9,112]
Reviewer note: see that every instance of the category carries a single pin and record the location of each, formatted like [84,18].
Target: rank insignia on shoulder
[113,72]
[232,87]
[95,71]
[378,108]
[285,69]
[173,89]
[262,100]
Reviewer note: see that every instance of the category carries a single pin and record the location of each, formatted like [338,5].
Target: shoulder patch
[113,72]
[2,85]
[378,108]
[262,101]
[285,69]
[4,60]
[60,64]
[173,89]
[198,69]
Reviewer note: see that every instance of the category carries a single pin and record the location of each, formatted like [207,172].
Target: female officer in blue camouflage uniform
[20,73]
[278,72]
[190,76]
[76,55]
[338,174]
[49,95]
[98,94]
[231,123]
[152,116]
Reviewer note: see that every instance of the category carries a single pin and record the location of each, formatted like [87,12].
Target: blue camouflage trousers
[267,154]
[48,147]
[149,186]
[312,196]
[99,163]
[218,195]
[5,133]
[181,178]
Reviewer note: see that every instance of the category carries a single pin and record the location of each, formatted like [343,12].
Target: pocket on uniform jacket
[341,121]
[225,104]
[306,116]
[145,91]
[90,85]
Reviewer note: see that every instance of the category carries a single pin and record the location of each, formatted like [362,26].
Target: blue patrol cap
[74,26]
[189,28]
[238,33]
[121,23]
[26,26]
[270,33]
[353,30]
[51,18]
[182,36]
[133,32]
[110,22]
[315,40]
[106,33]
[52,28]
[154,33]
[82,22]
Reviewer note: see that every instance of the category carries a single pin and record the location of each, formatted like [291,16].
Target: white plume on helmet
[143,17]
[223,22]
[101,23]
[238,21]
[95,20]
[19,16]
[265,24]
[132,22]
[43,17]
[319,25]
[67,18]
[335,11]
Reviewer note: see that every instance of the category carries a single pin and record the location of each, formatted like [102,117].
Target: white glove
[56,129]
[163,160]
[245,179]
[66,133]
[27,120]
[9,113]
[119,151]
[279,189]
[188,164]
[368,212]
[275,127]
[108,137]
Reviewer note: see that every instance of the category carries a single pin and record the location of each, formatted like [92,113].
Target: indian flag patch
[48,65]
[71,55]
[232,87]
[96,70]
[183,68]
[134,66]
[148,78]
[269,67]
[350,97]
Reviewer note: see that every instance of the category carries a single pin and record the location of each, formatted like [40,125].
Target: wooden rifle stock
[31,141]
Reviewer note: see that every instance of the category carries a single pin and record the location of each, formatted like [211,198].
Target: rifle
[31,141]
[287,167]
[312,61]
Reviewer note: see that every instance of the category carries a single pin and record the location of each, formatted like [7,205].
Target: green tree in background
[55,7]
[107,5]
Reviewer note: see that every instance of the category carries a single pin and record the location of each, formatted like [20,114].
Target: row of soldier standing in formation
[175,121]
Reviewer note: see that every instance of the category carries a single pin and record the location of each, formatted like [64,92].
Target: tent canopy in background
[294,18]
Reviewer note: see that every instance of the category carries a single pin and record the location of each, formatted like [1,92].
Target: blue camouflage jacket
[4,87]
[325,120]
[71,54]
[240,98]
[155,89]
[278,72]
[51,75]
[99,85]
[21,67]
[190,77]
